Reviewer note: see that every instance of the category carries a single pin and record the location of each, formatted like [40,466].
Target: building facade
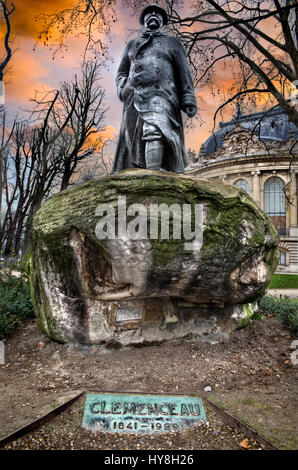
[259,153]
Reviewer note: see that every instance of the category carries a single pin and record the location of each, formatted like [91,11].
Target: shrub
[284,308]
[15,302]
[268,304]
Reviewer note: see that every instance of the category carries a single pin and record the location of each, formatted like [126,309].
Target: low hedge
[15,302]
[284,308]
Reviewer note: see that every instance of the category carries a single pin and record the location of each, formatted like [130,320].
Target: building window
[275,203]
[243,184]
[282,258]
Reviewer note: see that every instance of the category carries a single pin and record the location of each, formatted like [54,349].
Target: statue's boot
[153,154]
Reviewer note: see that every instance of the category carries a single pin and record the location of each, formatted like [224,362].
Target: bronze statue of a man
[155,84]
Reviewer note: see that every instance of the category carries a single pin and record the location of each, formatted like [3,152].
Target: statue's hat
[157,8]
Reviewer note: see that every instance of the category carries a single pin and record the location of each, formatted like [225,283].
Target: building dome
[271,127]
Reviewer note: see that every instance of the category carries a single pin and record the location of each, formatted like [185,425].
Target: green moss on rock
[236,234]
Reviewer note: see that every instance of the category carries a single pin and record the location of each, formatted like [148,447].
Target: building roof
[271,127]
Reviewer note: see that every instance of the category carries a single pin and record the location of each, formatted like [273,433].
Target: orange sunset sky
[34,69]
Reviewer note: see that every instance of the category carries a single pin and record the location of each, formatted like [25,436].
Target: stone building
[258,152]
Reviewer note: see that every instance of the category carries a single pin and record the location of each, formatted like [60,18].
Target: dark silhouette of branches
[6,11]
[256,40]
[91,19]
[43,152]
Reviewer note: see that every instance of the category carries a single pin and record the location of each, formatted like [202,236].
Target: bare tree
[100,164]
[19,170]
[6,11]
[6,189]
[83,137]
[90,19]
[43,152]
[256,40]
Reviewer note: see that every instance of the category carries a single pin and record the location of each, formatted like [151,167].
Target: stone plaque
[129,314]
[135,413]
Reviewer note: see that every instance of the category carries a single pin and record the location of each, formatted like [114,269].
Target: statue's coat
[155,84]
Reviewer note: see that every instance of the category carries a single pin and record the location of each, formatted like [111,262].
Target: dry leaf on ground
[244,444]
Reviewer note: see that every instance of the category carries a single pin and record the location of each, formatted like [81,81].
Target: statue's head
[153,17]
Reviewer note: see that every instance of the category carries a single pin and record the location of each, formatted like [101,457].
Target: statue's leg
[153,147]
[153,154]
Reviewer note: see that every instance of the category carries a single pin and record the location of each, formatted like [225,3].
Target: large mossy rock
[91,290]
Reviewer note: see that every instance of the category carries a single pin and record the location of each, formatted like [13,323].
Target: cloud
[28,75]
[26,21]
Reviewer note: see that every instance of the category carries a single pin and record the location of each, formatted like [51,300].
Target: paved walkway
[292,293]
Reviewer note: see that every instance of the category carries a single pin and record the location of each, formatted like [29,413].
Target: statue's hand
[190,111]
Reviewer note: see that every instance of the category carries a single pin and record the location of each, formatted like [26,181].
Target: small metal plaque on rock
[135,413]
[128,314]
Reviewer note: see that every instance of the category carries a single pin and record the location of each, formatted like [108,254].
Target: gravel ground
[251,375]
[65,433]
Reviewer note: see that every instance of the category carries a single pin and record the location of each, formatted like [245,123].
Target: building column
[256,186]
[293,207]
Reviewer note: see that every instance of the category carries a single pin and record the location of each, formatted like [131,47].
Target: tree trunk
[8,244]
[27,239]
[18,235]
[66,176]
